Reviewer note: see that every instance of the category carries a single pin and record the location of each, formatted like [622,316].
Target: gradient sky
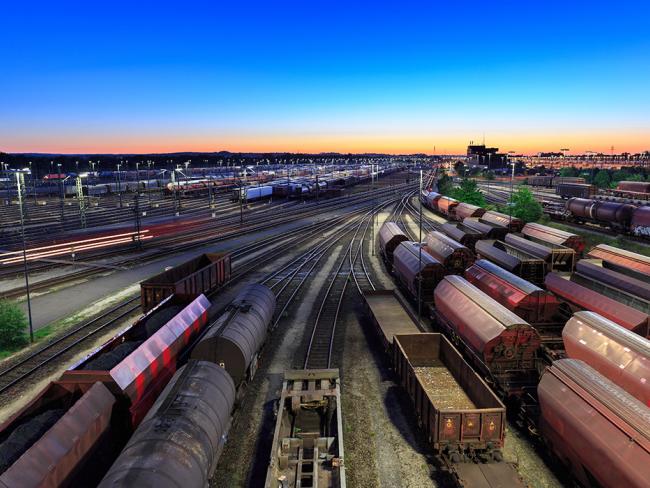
[324,76]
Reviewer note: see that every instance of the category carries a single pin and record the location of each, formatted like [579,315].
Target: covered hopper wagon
[446,205]
[461,233]
[467,210]
[516,261]
[488,231]
[623,261]
[453,255]
[390,236]
[556,257]
[549,235]
[417,271]
[513,224]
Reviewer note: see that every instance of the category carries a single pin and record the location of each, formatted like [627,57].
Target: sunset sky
[324,76]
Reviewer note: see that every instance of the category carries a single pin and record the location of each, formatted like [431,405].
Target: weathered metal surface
[628,284]
[466,415]
[514,224]
[180,440]
[618,354]
[461,233]
[489,231]
[390,236]
[635,186]
[464,210]
[62,450]
[496,335]
[598,429]
[556,257]
[587,299]
[199,275]
[307,447]
[388,315]
[430,199]
[453,255]
[487,475]
[236,337]
[544,234]
[446,205]
[414,266]
[518,262]
[640,223]
[528,301]
[576,190]
[622,260]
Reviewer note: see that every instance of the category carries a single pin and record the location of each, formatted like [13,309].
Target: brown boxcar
[556,257]
[512,259]
[446,205]
[502,344]
[149,363]
[453,255]
[430,199]
[622,261]
[464,210]
[75,420]
[618,354]
[390,236]
[593,269]
[513,224]
[634,186]
[457,410]
[546,181]
[596,428]
[461,233]
[199,275]
[389,316]
[488,231]
[549,235]
[583,298]
[581,190]
[413,265]
[528,301]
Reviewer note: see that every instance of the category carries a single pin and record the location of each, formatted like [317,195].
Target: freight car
[417,271]
[633,187]
[616,353]
[430,199]
[234,340]
[623,261]
[454,256]
[512,259]
[583,298]
[180,440]
[549,235]
[467,210]
[597,429]
[594,270]
[136,364]
[545,181]
[252,193]
[446,205]
[502,345]
[531,303]
[390,236]
[579,190]
[307,447]
[389,316]
[556,257]
[461,233]
[513,224]
[199,275]
[487,231]
[615,215]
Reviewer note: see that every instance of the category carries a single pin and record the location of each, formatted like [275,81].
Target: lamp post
[19,184]
[512,180]
[119,186]
[61,191]
[420,255]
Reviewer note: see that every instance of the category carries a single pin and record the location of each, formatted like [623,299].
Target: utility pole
[20,184]
[177,206]
[82,202]
[61,193]
[420,256]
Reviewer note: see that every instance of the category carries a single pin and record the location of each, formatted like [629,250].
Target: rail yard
[336,325]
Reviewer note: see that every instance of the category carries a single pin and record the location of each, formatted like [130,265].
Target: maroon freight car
[390,236]
[75,421]
[640,223]
[454,256]
[446,205]
[531,303]
[618,354]
[513,224]
[199,275]
[594,427]
[464,210]
[634,186]
[512,259]
[414,266]
[502,344]
[488,231]
[592,268]
[556,257]
[461,233]
[582,298]
[136,365]
[549,235]
[430,199]
[457,410]
[389,316]
[622,261]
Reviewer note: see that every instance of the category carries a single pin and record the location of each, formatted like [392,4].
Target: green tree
[524,206]
[445,186]
[602,179]
[468,192]
[569,172]
[13,325]
[459,166]
[489,175]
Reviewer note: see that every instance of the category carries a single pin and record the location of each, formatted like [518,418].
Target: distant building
[489,157]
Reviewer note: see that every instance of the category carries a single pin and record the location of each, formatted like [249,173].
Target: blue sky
[324,76]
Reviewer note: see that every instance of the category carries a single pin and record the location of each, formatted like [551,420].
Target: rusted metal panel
[454,256]
[199,275]
[587,299]
[390,236]
[412,264]
[496,335]
[579,408]
[593,269]
[389,315]
[528,301]
[618,354]
[622,261]
[456,408]
[556,257]
[64,447]
[464,210]
[235,338]
[180,440]
[446,205]
[514,224]
[544,234]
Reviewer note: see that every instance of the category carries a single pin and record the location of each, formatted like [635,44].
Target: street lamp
[19,184]
[119,186]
